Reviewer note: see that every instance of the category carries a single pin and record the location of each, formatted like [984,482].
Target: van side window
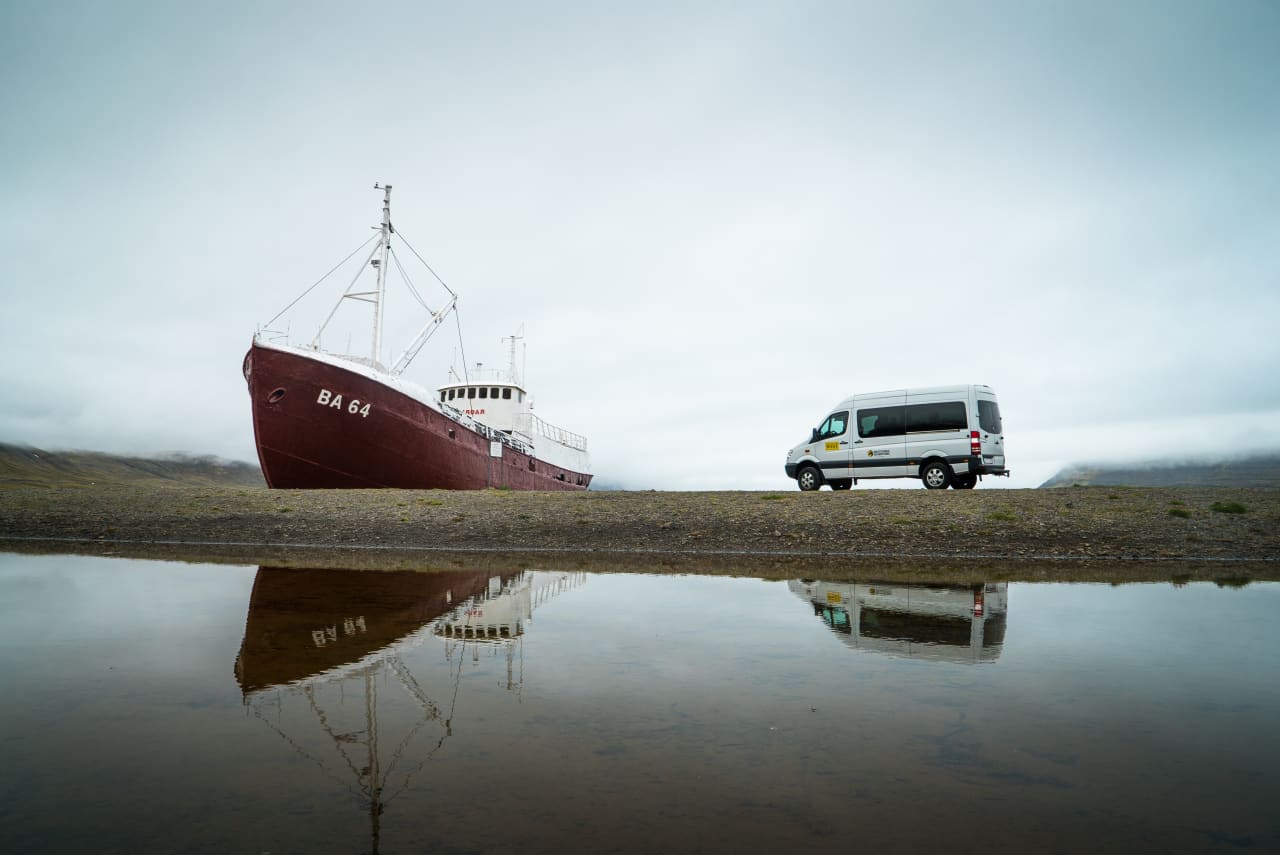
[834,425]
[880,421]
[989,416]
[930,417]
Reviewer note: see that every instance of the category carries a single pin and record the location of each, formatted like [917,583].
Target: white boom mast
[432,325]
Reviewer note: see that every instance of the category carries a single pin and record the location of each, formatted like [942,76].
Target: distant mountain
[34,467]
[1257,471]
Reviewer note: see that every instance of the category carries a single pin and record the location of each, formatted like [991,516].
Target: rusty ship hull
[320,425]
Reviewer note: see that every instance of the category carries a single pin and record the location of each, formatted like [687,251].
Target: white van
[947,436]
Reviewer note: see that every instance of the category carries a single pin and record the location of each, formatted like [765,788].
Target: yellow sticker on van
[833,446]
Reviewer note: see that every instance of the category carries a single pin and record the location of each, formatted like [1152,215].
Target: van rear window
[989,416]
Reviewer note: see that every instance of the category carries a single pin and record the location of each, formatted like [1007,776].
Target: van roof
[921,390]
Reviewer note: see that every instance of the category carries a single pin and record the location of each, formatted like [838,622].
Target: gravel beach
[1069,533]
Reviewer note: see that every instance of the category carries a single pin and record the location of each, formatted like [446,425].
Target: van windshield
[989,416]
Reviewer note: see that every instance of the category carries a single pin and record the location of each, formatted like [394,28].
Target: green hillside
[34,467]
[1257,471]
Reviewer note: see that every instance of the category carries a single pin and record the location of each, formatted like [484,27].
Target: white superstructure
[498,400]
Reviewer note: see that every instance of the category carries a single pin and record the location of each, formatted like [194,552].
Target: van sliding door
[879,441]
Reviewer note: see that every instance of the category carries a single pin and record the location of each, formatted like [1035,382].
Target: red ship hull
[321,426]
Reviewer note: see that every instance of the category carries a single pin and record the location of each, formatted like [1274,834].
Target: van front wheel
[936,475]
[809,479]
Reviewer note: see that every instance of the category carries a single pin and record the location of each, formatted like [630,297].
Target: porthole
[452,435]
[531,467]
[276,395]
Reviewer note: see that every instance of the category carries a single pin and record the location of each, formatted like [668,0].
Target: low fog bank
[1246,470]
[24,465]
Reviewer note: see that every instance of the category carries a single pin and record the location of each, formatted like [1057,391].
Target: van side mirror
[813,435]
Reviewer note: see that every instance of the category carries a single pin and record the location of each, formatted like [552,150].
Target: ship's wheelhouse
[493,403]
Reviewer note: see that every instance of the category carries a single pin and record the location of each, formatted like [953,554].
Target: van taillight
[975,444]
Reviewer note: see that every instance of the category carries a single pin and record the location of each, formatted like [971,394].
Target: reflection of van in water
[944,623]
[947,436]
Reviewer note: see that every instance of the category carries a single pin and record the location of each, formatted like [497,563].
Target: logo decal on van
[882,452]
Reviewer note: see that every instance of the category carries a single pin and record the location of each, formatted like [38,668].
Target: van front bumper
[792,468]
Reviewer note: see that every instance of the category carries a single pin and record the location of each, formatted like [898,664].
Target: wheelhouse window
[880,421]
[493,392]
[484,391]
[835,425]
[506,394]
[949,415]
[471,392]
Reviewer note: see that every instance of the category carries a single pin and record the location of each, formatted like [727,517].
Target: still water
[156,707]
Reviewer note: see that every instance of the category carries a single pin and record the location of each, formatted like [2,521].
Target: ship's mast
[378,259]
[385,243]
[516,377]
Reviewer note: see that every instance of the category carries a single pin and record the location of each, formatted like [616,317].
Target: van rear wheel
[809,479]
[936,475]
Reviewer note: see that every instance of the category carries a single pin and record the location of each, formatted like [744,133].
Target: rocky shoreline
[1069,533]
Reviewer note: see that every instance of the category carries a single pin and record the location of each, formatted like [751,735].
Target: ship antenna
[382,269]
[516,377]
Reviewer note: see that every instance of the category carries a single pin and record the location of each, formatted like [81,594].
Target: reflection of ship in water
[946,623]
[321,646]
[302,624]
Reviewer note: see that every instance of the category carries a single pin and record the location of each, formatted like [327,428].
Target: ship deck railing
[555,434]
[513,439]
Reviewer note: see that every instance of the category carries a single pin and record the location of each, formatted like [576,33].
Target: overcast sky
[713,220]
